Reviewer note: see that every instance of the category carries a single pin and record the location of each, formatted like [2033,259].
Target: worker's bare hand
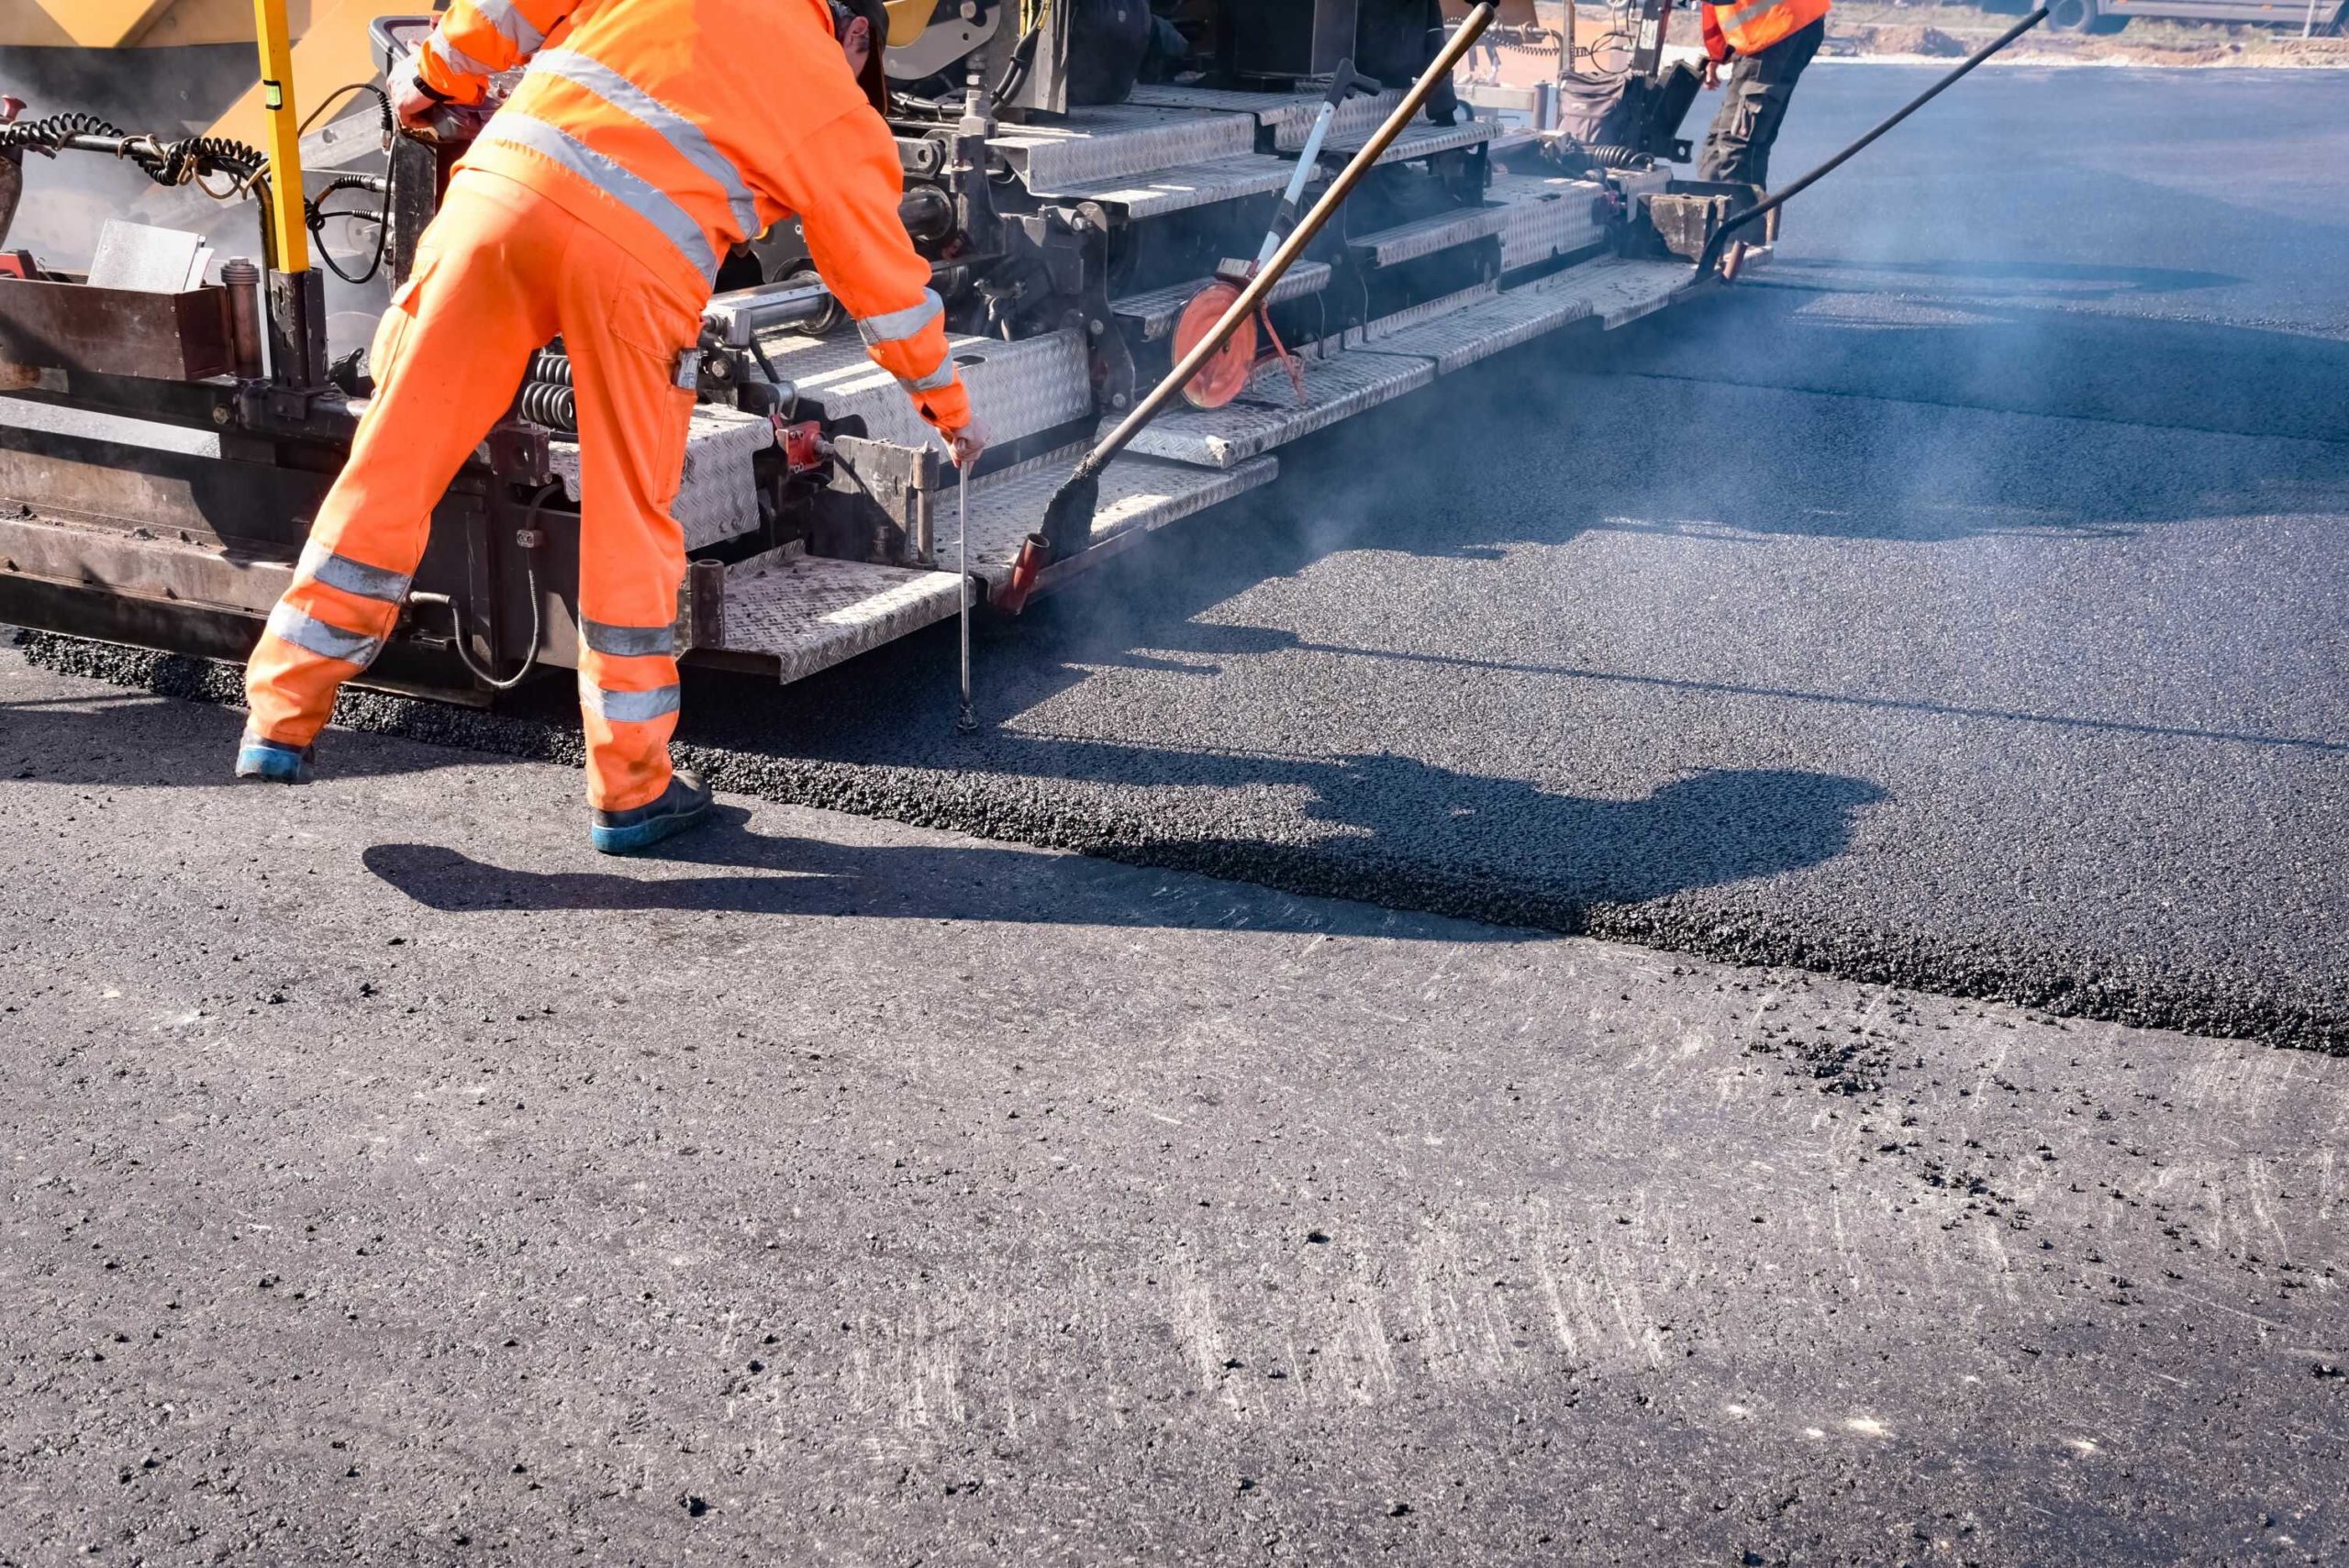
[412,106]
[967,444]
[1712,74]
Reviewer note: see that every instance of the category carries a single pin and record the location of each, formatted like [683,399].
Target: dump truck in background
[1076,171]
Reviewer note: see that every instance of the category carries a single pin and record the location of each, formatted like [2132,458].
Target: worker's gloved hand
[967,442]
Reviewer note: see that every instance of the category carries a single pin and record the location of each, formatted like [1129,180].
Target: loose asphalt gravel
[390,1180]
[1958,605]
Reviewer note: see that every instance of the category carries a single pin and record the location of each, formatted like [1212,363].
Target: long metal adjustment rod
[966,722]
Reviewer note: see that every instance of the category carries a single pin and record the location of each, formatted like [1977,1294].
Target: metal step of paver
[1421,140]
[1611,290]
[1426,236]
[1154,193]
[1120,139]
[1502,321]
[809,613]
[1025,387]
[1548,216]
[1268,414]
[717,493]
[1157,311]
[1139,496]
[1621,289]
[1412,317]
[1290,115]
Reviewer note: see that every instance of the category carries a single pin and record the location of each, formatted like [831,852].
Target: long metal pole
[1270,273]
[1721,235]
[967,719]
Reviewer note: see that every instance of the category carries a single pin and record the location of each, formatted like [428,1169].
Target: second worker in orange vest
[647,140]
[1772,40]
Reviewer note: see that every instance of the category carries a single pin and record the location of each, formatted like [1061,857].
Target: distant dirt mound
[1931,42]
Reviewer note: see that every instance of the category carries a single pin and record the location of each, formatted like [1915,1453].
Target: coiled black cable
[165,162]
[195,157]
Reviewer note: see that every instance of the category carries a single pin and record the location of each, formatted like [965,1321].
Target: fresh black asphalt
[1957,603]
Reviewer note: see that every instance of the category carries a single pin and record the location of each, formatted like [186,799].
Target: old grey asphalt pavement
[392,1181]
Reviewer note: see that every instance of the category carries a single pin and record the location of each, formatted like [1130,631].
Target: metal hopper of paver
[1077,172]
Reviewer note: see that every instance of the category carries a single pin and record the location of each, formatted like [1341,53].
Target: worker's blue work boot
[271,760]
[684,804]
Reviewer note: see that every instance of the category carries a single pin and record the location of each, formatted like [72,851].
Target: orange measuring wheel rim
[1225,374]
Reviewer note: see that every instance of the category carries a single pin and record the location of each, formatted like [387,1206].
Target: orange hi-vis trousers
[499,272]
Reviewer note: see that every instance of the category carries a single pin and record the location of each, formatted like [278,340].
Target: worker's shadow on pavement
[1408,835]
[766,874]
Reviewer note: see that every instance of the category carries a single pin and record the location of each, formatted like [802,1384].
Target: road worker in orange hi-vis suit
[647,140]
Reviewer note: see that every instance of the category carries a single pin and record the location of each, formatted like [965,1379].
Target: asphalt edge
[2215,1006]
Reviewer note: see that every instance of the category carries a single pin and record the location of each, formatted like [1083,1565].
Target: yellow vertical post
[287,232]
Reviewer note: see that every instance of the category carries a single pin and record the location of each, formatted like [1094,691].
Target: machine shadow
[1951,345]
[2078,280]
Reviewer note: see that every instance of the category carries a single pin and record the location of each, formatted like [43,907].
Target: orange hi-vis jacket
[683,128]
[1752,26]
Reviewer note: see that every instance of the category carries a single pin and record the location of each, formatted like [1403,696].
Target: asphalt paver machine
[1077,172]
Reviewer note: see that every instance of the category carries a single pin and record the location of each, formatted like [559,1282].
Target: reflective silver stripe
[516,28]
[457,60]
[942,376]
[1753,12]
[323,565]
[897,326]
[626,707]
[513,126]
[672,127]
[628,641]
[317,636]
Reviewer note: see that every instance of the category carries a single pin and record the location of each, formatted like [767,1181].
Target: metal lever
[1344,84]
[966,722]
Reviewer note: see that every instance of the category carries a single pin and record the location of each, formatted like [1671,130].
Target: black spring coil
[1610,156]
[543,402]
[553,366]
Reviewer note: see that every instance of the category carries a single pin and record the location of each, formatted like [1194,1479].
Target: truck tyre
[2071,16]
